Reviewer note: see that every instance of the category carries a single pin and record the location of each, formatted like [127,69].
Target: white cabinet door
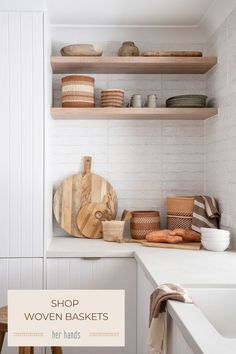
[21,134]
[176,343]
[16,273]
[145,288]
[102,273]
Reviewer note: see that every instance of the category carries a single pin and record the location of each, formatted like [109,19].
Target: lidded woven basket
[78,91]
[179,212]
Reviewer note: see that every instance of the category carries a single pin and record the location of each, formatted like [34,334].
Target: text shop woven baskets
[78,91]
[179,212]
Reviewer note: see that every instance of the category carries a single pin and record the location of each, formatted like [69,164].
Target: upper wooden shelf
[133,113]
[132,65]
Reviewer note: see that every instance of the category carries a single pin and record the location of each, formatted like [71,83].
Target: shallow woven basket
[78,91]
[143,222]
[113,230]
[179,212]
[112,98]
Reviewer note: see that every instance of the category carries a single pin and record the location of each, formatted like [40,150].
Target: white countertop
[188,268]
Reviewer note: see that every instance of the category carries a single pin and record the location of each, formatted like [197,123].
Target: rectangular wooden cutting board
[182,246]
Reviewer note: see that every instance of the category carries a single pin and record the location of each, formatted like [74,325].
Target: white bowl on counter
[214,246]
[215,239]
[223,238]
[216,233]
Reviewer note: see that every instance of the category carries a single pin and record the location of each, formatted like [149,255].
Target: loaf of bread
[163,236]
[187,235]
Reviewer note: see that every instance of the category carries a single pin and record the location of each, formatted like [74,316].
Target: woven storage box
[179,212]
[143,222]
[78,91]
[113,230]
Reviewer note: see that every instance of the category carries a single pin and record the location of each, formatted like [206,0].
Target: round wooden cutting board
[90,217]
[77,191]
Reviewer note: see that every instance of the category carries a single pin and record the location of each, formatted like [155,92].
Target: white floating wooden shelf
[133,113]
[132,65]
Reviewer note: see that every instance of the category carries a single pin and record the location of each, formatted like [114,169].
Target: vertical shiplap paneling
[4,134]
[19,273]
[37,133]
[26,132]
[15,234]
[21,135]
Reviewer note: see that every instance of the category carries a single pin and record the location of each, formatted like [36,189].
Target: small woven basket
[78,91]
[179,212]
[113,230]
[143,222]
[112,98]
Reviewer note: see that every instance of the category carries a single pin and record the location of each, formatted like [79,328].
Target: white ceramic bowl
[211,238]
[215,246]
[216,242]
[214,232]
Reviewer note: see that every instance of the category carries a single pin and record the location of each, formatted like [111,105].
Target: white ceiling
[129,12]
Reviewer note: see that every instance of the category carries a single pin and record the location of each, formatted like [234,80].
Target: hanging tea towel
[205,213]
[158,316]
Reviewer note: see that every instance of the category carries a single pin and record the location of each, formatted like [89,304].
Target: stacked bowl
[187,101]
[112,98]
[215,239]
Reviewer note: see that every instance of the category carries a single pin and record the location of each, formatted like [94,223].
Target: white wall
[110,38]
[220,132]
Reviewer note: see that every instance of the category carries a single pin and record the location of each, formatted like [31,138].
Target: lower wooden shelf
[133,113]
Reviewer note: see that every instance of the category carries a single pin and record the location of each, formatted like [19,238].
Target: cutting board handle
[87,164]
[126,215]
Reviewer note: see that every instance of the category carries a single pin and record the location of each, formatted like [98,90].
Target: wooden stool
[3,331]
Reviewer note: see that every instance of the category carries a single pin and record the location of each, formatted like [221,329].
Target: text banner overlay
[91,318]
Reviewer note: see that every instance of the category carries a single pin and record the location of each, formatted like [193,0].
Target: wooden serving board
[90,217]
[177,53]
[77,191]
[183,245]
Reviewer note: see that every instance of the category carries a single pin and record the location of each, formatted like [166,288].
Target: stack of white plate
[215,239]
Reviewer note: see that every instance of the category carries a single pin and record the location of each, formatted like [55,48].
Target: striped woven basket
[179,212]
[143,222]
[78,91]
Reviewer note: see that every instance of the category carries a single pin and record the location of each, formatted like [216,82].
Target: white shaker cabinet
[21,134]
[98,273]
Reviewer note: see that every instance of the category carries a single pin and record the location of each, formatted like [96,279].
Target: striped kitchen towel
[205,213]
[158,316]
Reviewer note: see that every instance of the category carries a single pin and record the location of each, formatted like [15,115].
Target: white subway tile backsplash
[142,176]
[183,167]
[184,176]
[184,149]
[220,133]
